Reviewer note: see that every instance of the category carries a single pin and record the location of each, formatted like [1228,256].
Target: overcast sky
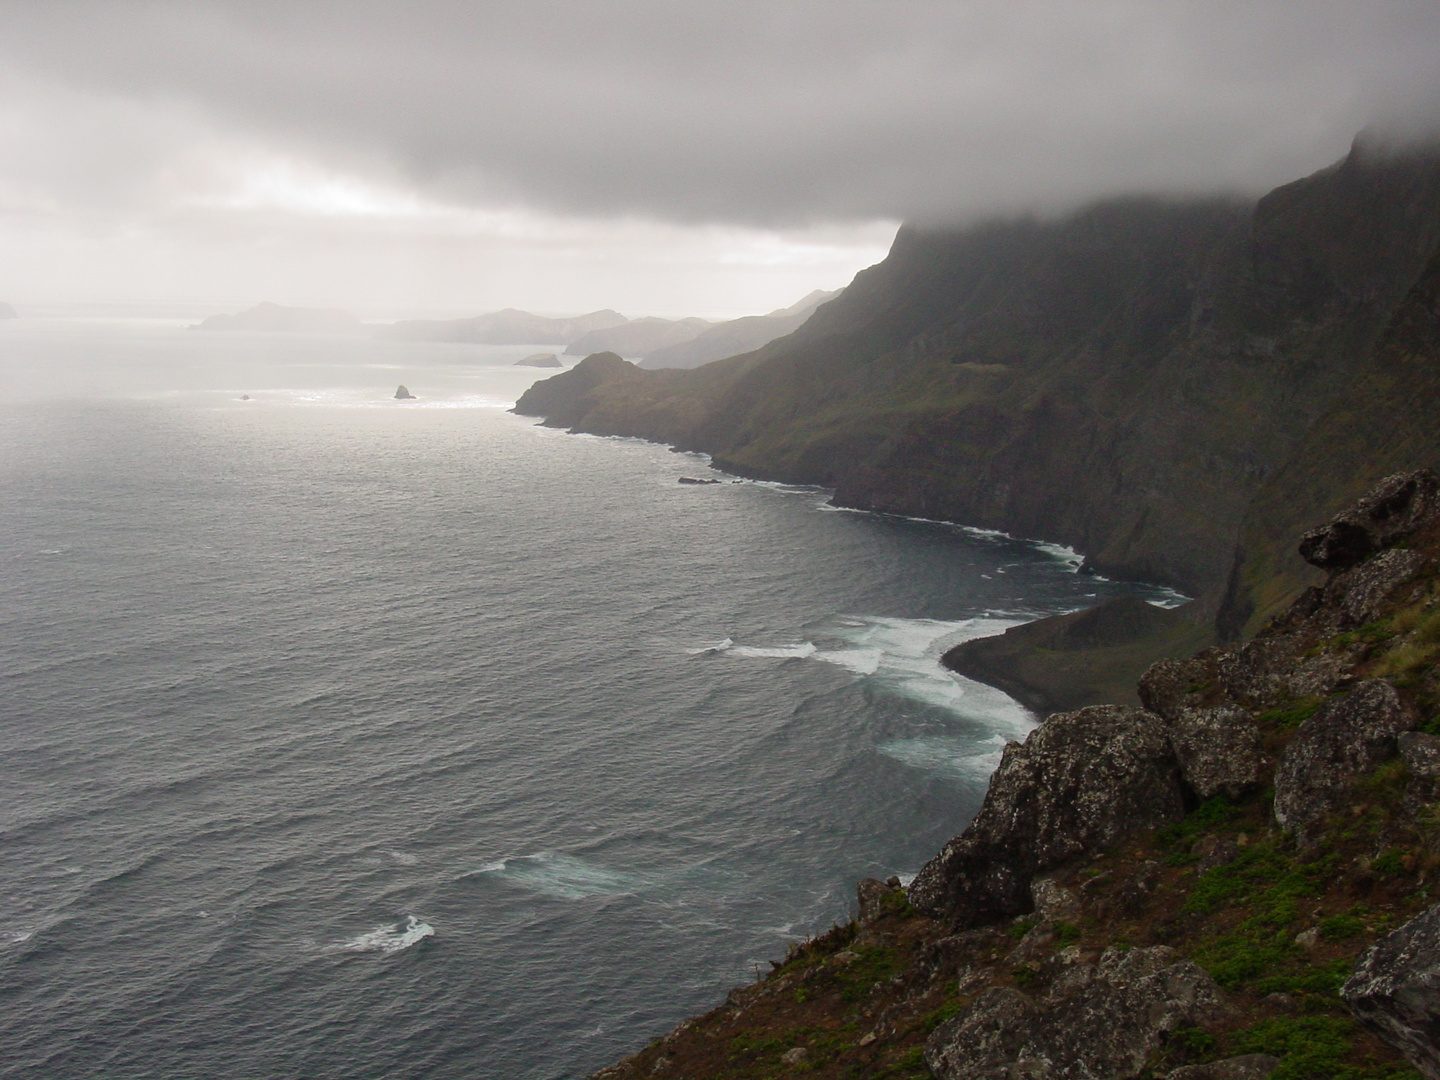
[657,156]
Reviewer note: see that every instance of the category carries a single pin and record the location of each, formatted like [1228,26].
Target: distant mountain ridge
[638,337]
[737,336]
[508,327]
[278,319]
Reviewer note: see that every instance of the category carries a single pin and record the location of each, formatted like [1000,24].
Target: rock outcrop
[1081,782]
[402,394]
[1105,1019]
[1346,739]
[540,360]
[1395,990]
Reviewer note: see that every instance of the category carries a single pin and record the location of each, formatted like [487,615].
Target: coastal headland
[1179,871]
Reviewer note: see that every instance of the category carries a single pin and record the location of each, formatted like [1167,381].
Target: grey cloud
[747,111]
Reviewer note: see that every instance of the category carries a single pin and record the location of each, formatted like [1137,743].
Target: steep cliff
[1170,387]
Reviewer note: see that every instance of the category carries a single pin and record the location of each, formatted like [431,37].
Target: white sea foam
[719,646]
[957,758]
[15,937]
[777,652]
[391,939]
[404,858]
[565,877]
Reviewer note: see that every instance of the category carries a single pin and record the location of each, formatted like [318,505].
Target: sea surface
[349,737]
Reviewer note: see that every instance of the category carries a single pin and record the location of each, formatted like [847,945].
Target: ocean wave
[900,656]
[719,646]
[562,876]
[946,755]
[390,939]
[775,652]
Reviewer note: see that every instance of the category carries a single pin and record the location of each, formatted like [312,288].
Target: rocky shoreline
[1233,879]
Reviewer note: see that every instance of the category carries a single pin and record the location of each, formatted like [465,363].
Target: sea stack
[401,394]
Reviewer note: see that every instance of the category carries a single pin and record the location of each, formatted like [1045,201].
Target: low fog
[659,157]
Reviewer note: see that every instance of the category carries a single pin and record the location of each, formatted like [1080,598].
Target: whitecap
[15,937]
[719,646]
[404,858]
[946,755]
[390,939]
[565,877]
[778,652]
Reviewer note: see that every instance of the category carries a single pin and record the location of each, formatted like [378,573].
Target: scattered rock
[1421,753]
[1395,991]
[1133,896]
[1116,1014]
[1247,1067]
[1081,782]
[1394,508]
[401,394]
[1034,947]
[1308,939]
[1213,851]
[1218,750]
[1347,738]
[1054,902]
[795,1055]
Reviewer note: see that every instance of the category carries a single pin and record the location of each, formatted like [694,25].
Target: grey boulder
[1395,991]
[1081,782]
[1346,739]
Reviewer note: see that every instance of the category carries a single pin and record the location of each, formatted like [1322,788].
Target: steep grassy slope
[1134,380]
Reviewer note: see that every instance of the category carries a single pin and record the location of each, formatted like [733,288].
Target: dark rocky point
[402,394]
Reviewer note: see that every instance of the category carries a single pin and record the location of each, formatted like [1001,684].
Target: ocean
[352,737]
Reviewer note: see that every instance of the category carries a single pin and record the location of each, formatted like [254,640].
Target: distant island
[541,360]
[277,319]
[8,312]
[657,343]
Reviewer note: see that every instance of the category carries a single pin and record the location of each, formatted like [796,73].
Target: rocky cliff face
[1181,890]
[1167,386]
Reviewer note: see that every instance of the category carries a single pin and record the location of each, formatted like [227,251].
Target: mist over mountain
[278,319]
[1142,380]
[737,336]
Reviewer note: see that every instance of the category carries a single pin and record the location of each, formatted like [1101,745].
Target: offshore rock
[401,394]
[1395,991]
[1081,782]
[1101,1020]
[1391,510]
[1346,739]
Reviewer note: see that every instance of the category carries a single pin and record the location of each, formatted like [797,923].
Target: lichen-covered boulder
[1348,737]
[1105,1020]
[1395,991]
[1245,1067]
[873,897]
[1171,685]
[1358,596]
[1391,510]
[1218,750]
[1081,782]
